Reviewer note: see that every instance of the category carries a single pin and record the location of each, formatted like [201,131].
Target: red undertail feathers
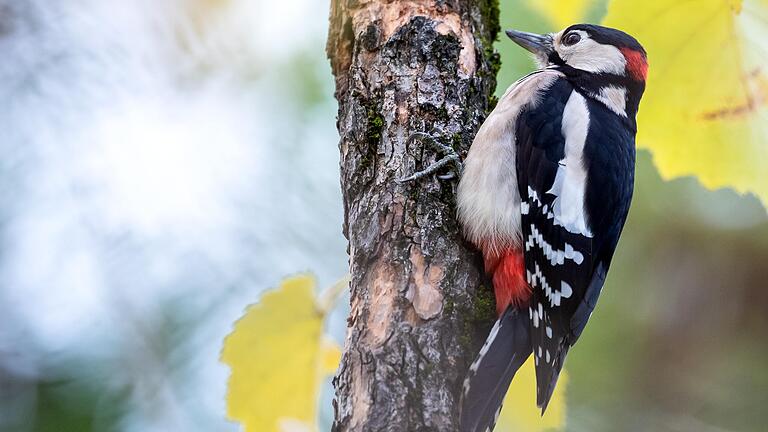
[508,273]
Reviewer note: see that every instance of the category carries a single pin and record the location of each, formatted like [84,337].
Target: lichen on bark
[419,306]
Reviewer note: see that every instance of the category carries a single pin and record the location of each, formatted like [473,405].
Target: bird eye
[571,38]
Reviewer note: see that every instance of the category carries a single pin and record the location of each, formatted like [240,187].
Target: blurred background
[164,162]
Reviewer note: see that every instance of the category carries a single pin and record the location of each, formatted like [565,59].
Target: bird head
[588,48]
[604,62]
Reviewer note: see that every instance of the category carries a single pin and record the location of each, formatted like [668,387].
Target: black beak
[540,45]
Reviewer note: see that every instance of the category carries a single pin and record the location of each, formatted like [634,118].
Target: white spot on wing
[554,255]
[578,258]
[569,251]
[533,195]
[537,279]
[565,289]
[560,257]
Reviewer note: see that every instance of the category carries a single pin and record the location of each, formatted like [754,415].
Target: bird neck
[621,94]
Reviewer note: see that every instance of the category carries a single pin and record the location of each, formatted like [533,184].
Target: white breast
[488,199]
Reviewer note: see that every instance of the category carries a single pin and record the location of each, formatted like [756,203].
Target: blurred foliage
[704,111]
[562,13]
[278,357]
[66,406]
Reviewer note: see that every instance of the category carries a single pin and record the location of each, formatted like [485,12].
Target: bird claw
[450,157]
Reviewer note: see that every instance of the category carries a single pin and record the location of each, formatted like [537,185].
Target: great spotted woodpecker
[544,193]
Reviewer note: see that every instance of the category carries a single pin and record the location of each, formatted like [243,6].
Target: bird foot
[450,157]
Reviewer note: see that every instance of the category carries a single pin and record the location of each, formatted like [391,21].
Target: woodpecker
[544,193]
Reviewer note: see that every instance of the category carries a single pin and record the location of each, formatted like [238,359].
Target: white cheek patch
[591,56]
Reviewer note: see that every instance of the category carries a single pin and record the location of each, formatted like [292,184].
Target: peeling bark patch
[424,294]
[452,24]
[394,15]
[362,403]
[383,293]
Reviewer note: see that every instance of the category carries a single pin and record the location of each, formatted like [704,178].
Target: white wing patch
[570,183]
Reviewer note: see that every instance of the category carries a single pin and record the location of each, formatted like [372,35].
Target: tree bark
[420,306]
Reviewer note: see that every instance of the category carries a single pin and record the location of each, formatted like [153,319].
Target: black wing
[565,267]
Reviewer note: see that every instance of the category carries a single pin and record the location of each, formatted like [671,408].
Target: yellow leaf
[278,358]
[705,111]
[330,356]
[562,13]
[520,412]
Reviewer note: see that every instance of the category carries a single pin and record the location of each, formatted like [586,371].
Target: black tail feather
[547,380]
[506,349]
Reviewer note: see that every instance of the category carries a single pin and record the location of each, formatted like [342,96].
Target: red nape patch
[509,284]
[637,65]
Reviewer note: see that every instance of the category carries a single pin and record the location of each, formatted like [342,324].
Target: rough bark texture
[420,305]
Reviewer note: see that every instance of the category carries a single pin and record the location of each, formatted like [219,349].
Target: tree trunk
[420,304]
